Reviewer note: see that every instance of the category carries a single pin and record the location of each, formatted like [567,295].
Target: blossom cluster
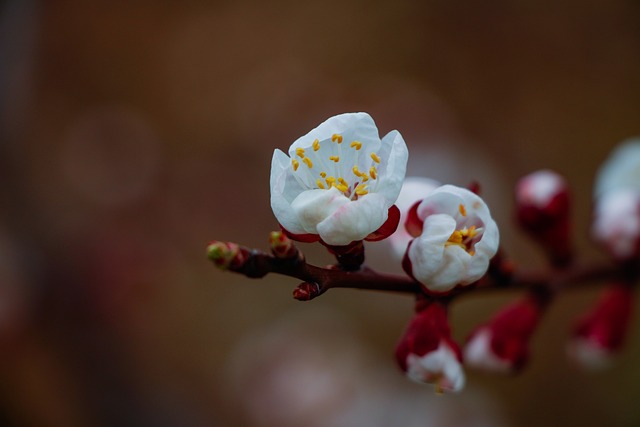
[341,184]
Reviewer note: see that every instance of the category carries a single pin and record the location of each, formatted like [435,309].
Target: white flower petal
[539,188]
[478,354]
[617,222]
[413,190]
[354,221]
[284,188]
[589,354]
[440,366]
[312,207]
[621,170]
[392,170]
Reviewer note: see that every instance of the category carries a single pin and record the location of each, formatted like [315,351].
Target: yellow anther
[334,158]
[462,209]
[308,162]
[342,187]
[316,145]
[323,174]
[295,164]
[360,190]
[472,232]
[364,177]
[357,172]
[331,181]
[373,172]
[300,152]
[336,138]
[455,238]
[320,184]
[343,182]
[375,157]
[356,144]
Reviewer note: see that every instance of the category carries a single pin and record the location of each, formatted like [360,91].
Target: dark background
[133,132]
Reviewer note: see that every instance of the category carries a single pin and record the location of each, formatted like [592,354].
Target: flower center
[326,165]
[464,237]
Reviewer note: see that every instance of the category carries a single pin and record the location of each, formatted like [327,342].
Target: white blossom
[339,180]
[458,240]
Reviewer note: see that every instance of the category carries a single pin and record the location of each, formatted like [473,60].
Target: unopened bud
[226,255]
[281,246]
[502,344]
[427,353]
[542,210]
[600,334]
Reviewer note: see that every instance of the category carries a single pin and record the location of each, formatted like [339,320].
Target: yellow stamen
[295,164]
[356,144]
[323,174]
[439,389]
[307,161]
[300,152]
[320,184]
[462,209]
[342,187]
[364,177]
[375,157]
[343,182]
[360,190]
[331,181]
[334,158]
[455,238]
[316,145]
[357,172]
[336,138]
[373,172]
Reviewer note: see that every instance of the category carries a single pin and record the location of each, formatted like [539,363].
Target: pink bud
[599,334]
[542,210]
[502,344]
[427,353]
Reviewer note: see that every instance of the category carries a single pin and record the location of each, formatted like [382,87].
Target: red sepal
[388,228]
[413,224]
[304,238]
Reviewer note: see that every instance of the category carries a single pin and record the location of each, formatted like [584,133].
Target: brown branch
[287,260]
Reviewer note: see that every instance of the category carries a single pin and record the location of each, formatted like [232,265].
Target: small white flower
[621,170]
[339,180]
[458,240]
[440,367]
[616,222]
[413,190]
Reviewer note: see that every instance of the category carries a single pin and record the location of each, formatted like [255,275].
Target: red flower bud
[542,210]
[427,353]
[502,344]
[599,334]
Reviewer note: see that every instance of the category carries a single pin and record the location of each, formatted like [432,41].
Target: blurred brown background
[134,132]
